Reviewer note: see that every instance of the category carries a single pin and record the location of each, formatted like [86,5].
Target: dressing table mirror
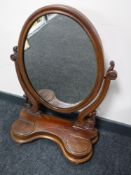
[60,65]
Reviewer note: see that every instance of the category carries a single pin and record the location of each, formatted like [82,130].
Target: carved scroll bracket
[14,56]
[111,74]
[84,117]
[30,101]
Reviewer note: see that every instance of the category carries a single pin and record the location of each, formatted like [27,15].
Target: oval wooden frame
[91,32]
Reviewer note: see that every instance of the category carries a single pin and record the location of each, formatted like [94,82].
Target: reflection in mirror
[60,60]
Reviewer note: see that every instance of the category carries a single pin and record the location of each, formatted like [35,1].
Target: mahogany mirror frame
[34,124]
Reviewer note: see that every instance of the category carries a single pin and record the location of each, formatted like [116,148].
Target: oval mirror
[61,63]
[60,60]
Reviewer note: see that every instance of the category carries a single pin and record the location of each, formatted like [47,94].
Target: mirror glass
[60,60]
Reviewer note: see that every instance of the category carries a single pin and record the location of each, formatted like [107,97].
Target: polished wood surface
[75,142]
[74,138]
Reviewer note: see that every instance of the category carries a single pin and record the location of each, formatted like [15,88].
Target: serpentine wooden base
[75,143]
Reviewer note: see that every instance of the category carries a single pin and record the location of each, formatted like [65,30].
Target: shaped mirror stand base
[75,143]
